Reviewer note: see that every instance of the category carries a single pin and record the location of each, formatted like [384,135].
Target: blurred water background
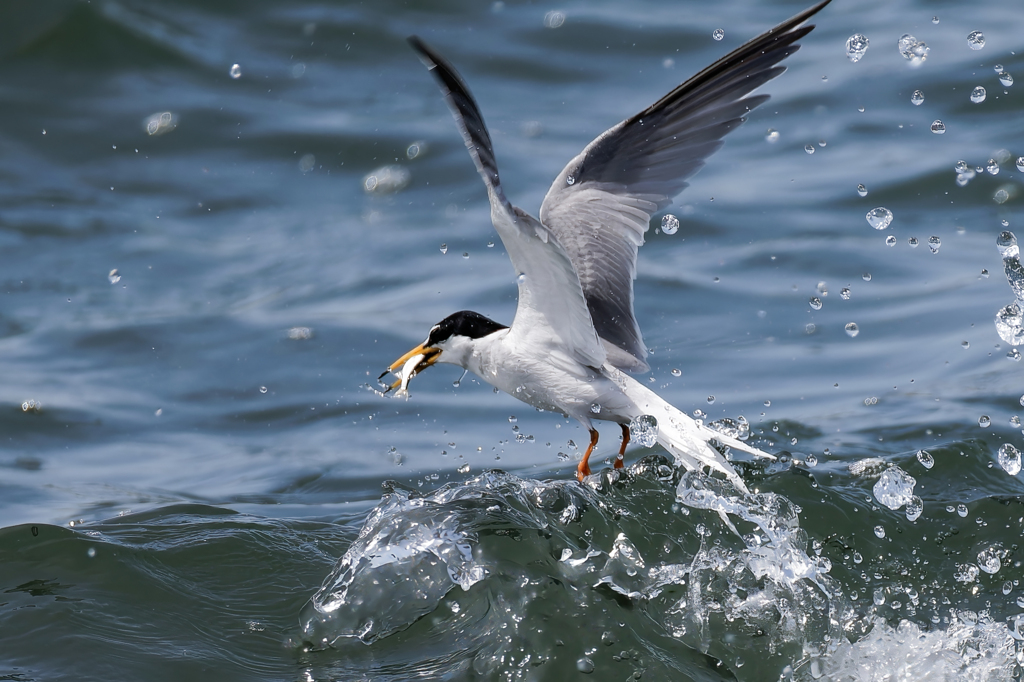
[220,220]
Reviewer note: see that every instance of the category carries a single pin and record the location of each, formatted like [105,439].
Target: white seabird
[574,337]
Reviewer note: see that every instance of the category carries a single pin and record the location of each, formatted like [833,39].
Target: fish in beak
[408,366]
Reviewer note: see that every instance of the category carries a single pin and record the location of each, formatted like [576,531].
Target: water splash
[644,430]
[1009,322]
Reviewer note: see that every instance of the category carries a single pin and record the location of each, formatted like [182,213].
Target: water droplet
[307,162]
[978,95]
[934,243]
[444,248]
[906,44]
[852,329]
[879,218]
[669,224]
[862,190]
[856,46]
[866,277]
[815,302]
[644,430]
[1010,325]
[912,49]
[718,34]
[1020,163]
[984,421]
[917,98]
[913,242]
[890,240]
[595,408]
[1007,587]
[1021,401]
[1009,459]
[990,560]
[464,469]
[961,166]
[926,459]
[961,510]
[844,293]
[914,508]
[114,277]
[1006,242]
[263,389]
[935,20]
[1006,79]
[938,127]
[772,135]
[585,665]
[236,71]
[384,180]
[465,254]
[992,168]
[711,400]
[768,403]
[1014,355]
[415,149]
[809,148]
[1000,196]
[676,373]
[880,532]
[975,40]
[570,180]
[521,279]
[554,19]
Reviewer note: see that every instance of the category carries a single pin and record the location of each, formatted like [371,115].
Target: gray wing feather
[600,205]
[552,314]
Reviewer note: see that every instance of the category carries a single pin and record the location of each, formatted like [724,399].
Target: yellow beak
[430,356]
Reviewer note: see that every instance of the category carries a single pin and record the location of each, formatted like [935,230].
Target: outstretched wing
[601,204]
[552,313]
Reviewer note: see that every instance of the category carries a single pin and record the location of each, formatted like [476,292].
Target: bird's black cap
[463,323]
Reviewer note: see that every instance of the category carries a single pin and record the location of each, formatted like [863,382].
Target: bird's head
[450,341]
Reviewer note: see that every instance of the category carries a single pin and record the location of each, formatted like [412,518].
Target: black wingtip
[425,52]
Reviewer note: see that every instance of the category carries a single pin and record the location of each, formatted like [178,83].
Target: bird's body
[574,336]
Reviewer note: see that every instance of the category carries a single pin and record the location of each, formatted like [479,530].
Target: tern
[574,339]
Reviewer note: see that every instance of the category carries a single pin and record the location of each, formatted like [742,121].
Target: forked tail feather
[687,440]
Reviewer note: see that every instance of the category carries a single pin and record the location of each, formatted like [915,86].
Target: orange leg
[583,470]
[625,442]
